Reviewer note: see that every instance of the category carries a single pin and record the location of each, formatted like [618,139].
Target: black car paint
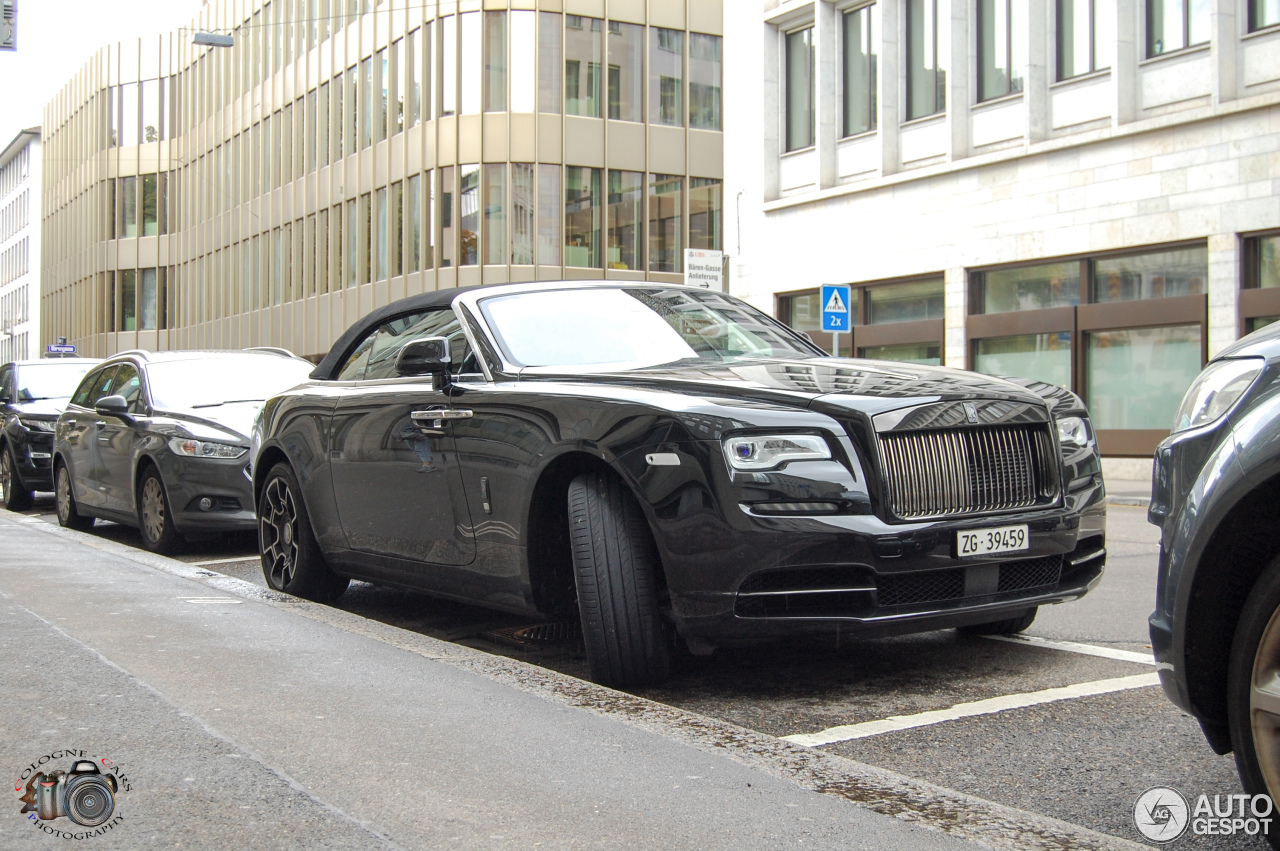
[530,432]
[32,448]
[1213,496]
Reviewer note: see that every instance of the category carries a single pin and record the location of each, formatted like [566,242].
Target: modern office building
[344,153]
[20,247]
[1085,192]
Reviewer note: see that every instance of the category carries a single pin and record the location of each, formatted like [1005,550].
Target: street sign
[60,350]
[835,307]
[704,268]
[8,25]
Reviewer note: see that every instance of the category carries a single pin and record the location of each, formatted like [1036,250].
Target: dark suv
[1216,496]
[32,395]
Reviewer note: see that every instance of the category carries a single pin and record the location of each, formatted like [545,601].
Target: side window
[81,397]
[6,384]
[99,387]
[392,337]
[129,385]
[353,369]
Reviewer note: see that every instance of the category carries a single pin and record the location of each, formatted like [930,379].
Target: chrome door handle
[441,414]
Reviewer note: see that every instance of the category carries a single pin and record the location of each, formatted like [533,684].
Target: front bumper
[34,457]
[225,483]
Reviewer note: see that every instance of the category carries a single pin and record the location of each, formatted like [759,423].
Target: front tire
[291,557]
[17,496]
[69,516]
[1253,689]
[615,566]
[1008,626]
[155,517]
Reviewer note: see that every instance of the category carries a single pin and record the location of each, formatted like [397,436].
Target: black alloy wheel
[155,519]
[291,557]
[68,516]
[616,570]
[16,495]
[1253,690]
[1007,626]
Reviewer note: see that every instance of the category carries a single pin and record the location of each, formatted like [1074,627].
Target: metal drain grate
[537,635]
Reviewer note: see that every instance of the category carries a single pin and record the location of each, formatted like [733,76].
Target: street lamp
[213,39]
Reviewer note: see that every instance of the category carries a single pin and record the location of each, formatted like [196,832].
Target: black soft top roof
[414,303]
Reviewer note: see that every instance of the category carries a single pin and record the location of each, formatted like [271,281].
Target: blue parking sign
[835,307]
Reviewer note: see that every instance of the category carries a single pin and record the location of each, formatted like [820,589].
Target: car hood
[236,418]
[870,386]
[40,408]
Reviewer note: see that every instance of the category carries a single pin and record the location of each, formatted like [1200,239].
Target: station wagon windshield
[184,384]
[633,327]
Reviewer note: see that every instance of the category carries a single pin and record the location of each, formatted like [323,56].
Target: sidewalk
[273,723]
[1128,492]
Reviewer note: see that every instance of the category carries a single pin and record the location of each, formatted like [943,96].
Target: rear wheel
[1253,689]
[68,516]
[617,576]
[16,495]
[1008,626]
[291,557]
[155,518]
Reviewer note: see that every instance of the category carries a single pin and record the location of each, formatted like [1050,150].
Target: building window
[799,104]
[1263,14]
[448,65]
[859,84]
[1002,47]
[549,210]
[322,253]
[495,213]
[448,245]
[898,320]
[582,51]
[926,78]
[549,65]
[666,223]
[495,61]
[149,302]
[469,214]
[666,77]
[626,74]
[706,203]
[323,130]
[1085,30]
[583,211]
[351,247]
[382,103]
[524,75]
[626,220]
[150,204]
[1175,24]
[1260,298]
[705,80]
[128,300]
[471,64]
[381,234]
[1147,276]
[152,123]
[522,212]
[413,222]
[129,200]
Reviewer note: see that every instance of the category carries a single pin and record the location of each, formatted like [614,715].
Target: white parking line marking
[223,600]
[1075,647]
[223,561]
[991,705]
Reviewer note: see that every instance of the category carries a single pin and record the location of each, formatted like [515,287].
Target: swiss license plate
[981,542]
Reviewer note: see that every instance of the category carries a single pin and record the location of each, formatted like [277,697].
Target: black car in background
[160,440]
[32,395]
[1216,497]
[667,461]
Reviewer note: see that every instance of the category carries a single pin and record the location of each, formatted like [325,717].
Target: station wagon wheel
[68,515]
[16,496]
[291,558]
[155,518]
[1253,689]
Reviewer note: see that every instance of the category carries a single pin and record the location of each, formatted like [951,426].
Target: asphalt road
[1084,760]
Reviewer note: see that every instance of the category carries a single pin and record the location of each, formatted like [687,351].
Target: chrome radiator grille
[968,471]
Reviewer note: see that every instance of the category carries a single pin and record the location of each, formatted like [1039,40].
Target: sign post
[835,313]
[704,268]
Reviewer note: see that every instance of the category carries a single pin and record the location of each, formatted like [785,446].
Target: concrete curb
[887,793]
[1142,501]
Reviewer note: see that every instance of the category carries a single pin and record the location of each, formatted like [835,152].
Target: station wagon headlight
[752,453]
[1073,433]
[1214,391]
[205,449]
[37,425]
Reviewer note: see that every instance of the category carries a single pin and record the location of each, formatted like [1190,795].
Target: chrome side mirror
[426,356]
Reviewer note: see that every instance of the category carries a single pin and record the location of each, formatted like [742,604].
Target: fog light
[206,504]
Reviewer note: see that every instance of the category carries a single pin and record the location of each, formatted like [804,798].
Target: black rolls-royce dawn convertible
[671,465]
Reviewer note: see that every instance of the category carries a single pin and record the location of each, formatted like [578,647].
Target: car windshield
[51,380]
[634,327]
[222,380]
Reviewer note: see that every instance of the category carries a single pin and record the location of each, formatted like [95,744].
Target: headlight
[205,448]
[37,425]
[1073,433]
[1214,392]
[767,451]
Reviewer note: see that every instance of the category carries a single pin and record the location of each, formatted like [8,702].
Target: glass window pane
[803,312]
[352,121]
[907,302]
[1104,28]
[152,128]
[926,80]
[1162,361]
[524,76]
[666,229]
[129,200]
[147,300]
[626,220]
[448,238]
[1142,276]
[469,214]
[522,207]
[923,353]
[1263,13]
[860,70]
[1257,322]
[410,72]
[366,103]
[322,252]
[549,215]
[128,299]
[471,63]
[1031,288]
[380,235]
[448,65]
[1044,357]
[1164,26]
[322,124]
[351,248]
[495,61]
[626,46]
[380,120]
[1074,34]
[150,218]
[705,81]
[1267,254]
[582,217]
[495,214]
[706,202]
[666,77]
[128,113]
[549,64]
[993,48]
[800,127]
[582,59]
[427,228]
[364,231]
[413,223]
[1198,28]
